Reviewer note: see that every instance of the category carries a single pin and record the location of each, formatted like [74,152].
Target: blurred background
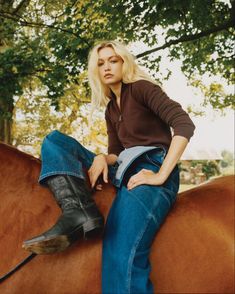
[187,46]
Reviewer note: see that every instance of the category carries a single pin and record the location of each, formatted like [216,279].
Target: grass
[224,172]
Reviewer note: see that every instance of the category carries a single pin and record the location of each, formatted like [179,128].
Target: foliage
[199,33]
[46,43]
[228,158]
[49,42]
[209,167]
[35,117]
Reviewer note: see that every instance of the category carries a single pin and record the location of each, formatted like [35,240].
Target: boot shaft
[70,192]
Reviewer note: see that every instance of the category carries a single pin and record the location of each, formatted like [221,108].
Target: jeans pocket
[156,156]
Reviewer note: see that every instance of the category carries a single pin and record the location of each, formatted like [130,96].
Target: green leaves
[49,42]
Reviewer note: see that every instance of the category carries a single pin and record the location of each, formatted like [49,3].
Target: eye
[100,64]
[113,61]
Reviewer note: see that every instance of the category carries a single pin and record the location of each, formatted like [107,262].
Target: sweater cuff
[185,132]
[115,150]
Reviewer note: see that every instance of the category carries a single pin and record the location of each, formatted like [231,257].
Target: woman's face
[109,66]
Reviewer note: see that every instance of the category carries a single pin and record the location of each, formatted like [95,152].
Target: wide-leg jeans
[135,215]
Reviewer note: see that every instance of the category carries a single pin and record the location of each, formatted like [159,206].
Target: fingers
[138,179]
[93,176]
[99,187]
[132,183]
[105,174]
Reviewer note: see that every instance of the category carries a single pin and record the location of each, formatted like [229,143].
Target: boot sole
[49,245]
[90,229]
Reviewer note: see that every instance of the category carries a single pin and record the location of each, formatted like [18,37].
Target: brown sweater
[146,116]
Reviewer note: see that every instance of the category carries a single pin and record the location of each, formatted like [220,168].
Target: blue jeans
[134,218]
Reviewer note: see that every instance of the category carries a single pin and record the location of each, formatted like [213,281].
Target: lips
[108,76]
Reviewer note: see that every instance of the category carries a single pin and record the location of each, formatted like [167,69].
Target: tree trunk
[5,130]
[6,117]
[5,42]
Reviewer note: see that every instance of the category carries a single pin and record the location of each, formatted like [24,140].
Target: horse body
[192,252]
[194,248]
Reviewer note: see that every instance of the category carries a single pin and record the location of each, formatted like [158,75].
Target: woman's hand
[146,176]
[177,146]
[98,167]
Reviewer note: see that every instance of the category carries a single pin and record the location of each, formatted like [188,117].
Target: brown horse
[192,253]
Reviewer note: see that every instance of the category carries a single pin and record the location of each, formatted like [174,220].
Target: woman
[141,162]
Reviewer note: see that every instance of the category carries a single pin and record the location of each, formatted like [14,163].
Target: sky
[214,132]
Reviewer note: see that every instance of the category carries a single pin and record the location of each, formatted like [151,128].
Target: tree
[34,118]
[199,33]
[209,167]
[21,57]
[228,159]
[47,42]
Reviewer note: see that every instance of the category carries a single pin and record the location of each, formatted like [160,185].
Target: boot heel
[93,228]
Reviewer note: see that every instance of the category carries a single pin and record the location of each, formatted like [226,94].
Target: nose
[106,66]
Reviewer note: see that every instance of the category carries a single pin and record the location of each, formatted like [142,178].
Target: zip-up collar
[123,87]
[114,101]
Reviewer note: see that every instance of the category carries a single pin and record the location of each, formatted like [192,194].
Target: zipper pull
[120,118]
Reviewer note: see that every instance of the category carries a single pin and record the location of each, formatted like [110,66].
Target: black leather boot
[80,216]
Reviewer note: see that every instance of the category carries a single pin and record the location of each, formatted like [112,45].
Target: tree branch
[188,38]
[63,13]
[33,24]
[22,5]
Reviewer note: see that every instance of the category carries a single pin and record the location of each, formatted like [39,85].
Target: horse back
[194,249]
[192,252]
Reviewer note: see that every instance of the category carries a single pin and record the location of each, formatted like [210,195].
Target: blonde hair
[131,71]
